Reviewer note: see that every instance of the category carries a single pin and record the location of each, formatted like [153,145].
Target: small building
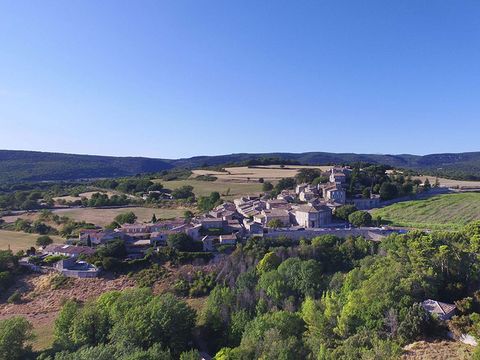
[98,236]
[68,250]
[80,269]
[228,239]
[136,228]
[253,227]
[439,309]
[313,216]
[276,214]
[368,203]
[212,223]
[334,193]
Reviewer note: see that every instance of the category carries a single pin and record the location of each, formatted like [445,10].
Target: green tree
[344,211]
[154,219]
[360,218]
[188,215]
[15,333]
[44,240]
[126,218]
[388,191]
[267,186]
[275,223]
[426,185]
[180,241]
[269,262]
[183,192]
[63,325]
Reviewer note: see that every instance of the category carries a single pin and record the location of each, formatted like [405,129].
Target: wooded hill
[39,166]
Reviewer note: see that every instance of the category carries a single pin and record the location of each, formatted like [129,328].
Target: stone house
[313,216]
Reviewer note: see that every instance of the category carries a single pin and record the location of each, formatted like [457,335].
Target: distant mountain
[39,166]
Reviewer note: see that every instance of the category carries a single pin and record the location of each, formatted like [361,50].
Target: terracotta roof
[437,307]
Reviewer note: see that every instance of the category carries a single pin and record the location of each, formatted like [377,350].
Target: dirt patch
[41,304]
[437,350]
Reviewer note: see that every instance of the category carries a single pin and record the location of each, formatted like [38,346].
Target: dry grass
[450,183]
[270,173]
[204,188]
[104,217]
[438,350]
[20,240]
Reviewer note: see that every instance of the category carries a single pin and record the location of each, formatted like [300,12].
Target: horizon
[238,153]
[183,79]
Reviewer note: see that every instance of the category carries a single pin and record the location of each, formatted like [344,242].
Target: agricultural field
[246,174]
[19,240]
[203,188]
[441,212]
[104,217]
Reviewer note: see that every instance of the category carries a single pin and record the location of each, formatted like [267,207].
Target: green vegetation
[132,324]
[360,218]
[449,211]
[14,336]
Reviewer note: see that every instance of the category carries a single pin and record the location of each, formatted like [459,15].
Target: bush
[44,240]
[15,298]
[148,277]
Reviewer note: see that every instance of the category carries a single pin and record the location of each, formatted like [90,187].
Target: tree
[269,262]
[44,240]
[415,324]
[285,183]
[360,218]
[154,219]
[180,241]
[126,218]
[307,175]
[267,186]
[63,324]
[188,215]
[183,192]
[366,193]
[388,191]
[261,180]
[15,332]
[426,185]
[190,355]
[344,211]
[275,223]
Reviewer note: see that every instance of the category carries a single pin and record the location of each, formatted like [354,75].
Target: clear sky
[182,78]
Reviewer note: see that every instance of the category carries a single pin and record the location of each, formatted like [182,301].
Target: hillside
[450,211]
[39,166]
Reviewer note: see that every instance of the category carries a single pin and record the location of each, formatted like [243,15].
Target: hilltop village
[304,211]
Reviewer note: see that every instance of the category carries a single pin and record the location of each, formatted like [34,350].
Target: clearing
[268,172]
[447,212]
[20,240]
[204,188]
[437,350]
[104,216]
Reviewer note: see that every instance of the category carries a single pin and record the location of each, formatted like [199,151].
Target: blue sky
[182,78]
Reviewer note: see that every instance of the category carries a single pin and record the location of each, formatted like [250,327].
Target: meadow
[441,212]
[104,217]
[204,188]
[20,240]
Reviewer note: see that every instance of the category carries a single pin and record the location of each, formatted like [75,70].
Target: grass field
[104,217]
[19,240]
[203,188]
[450,211]
[243,173]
